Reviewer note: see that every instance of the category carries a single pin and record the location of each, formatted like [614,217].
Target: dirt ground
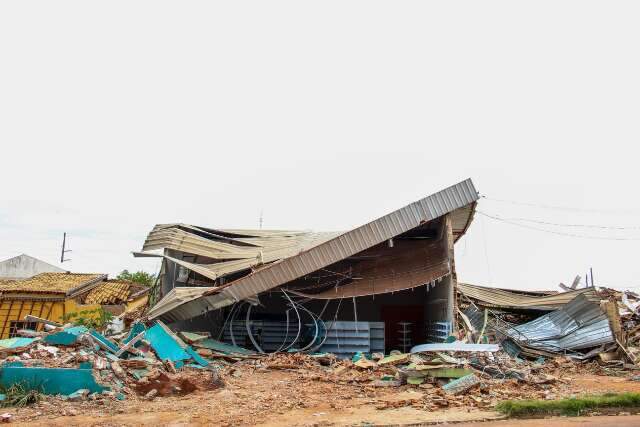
[302,397]
[597,421]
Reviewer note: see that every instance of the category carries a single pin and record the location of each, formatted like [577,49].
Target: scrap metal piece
[455,346]
[580,324]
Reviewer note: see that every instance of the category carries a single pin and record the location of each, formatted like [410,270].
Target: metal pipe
[233,338]
[299,320]
[249,332]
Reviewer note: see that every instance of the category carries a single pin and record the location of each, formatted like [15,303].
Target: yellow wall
[17,309]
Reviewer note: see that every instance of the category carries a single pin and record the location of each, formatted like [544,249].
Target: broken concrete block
[395,359]
[117,369]
[78,395]
[364,363]
[204,352]
[461,384]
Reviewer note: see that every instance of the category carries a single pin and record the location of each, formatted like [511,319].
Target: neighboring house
[25,266]
[52,296]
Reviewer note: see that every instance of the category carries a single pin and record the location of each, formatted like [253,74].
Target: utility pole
[260,220]
[64,249]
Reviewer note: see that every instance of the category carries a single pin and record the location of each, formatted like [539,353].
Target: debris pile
[583,324]
[78,363]
[429,380]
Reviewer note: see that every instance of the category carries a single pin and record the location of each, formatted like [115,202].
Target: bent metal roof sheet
[511,299]
[459,200]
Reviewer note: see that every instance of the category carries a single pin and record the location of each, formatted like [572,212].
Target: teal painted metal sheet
[164,345]
[16,342]
[68,336]
[105,341]
[50,380]
[136,329]
[199,359]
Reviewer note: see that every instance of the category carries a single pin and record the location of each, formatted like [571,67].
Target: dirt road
[272,398]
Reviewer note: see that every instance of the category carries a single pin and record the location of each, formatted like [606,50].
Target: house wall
[24,267]
[51,308]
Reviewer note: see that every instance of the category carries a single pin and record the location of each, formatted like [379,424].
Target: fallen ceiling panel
[508,299]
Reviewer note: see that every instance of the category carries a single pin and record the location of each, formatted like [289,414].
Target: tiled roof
[55,283]
[4,282]
[113,292]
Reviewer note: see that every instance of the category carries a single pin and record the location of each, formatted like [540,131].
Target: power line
[601,227]
[560,233]
[561,208]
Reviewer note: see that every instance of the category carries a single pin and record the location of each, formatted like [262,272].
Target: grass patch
[18,395]
[572,407]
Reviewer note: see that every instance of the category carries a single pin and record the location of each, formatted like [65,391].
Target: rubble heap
[78,363]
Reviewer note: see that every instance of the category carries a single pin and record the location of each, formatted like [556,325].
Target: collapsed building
[389,284]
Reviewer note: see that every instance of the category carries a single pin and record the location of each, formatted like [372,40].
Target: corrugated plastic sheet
[458,196]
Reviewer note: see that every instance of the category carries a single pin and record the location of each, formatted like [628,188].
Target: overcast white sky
[115,116]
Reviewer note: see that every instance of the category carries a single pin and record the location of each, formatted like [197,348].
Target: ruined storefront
[388,284]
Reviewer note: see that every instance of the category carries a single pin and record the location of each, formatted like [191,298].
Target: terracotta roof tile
[56,283]
[113,292]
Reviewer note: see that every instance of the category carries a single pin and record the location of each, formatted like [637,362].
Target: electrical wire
[560,233]
[557,224]
[561,208]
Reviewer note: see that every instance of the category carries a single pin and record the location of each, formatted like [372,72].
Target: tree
[141,277]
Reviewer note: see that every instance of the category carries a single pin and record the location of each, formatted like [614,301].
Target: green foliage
[18,395]
[141,277]
[96,319]
[571,407]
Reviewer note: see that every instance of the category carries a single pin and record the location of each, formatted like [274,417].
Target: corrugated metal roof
[504,298]
[56,283]
[175,298]
[461,196]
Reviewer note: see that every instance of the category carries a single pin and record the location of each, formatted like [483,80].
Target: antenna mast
[64,250]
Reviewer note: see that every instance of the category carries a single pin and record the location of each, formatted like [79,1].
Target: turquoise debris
[16,342]
[136,329]
[49,380]
[67,336]
[165,346]
[107,343]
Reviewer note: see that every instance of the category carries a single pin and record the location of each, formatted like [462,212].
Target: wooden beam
[6,319]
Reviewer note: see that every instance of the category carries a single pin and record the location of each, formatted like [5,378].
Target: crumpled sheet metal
[578,325]
[515,300]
